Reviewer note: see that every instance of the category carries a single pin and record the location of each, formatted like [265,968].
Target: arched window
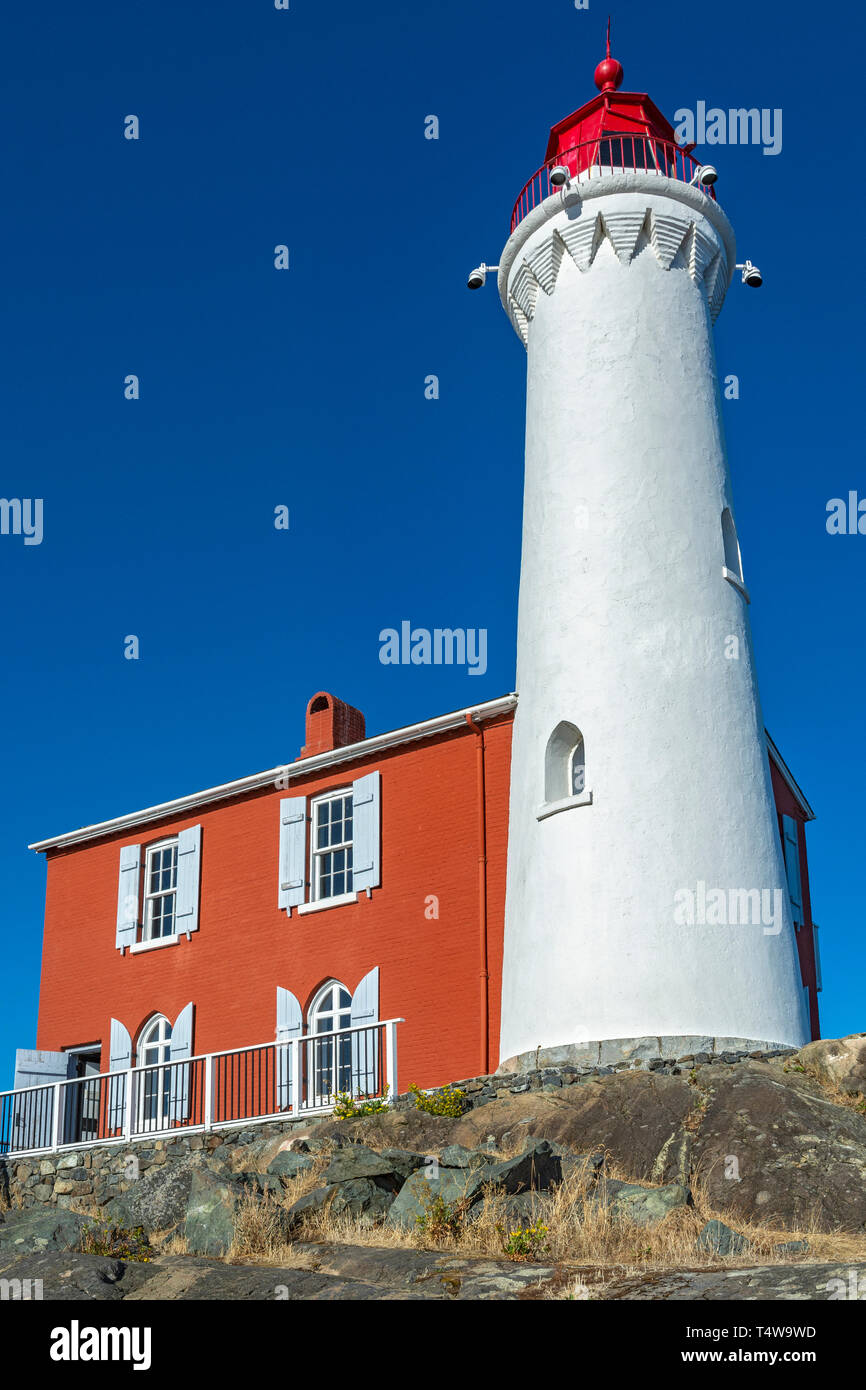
[329,1061]
[733,559]
[564,763]
[154,1053]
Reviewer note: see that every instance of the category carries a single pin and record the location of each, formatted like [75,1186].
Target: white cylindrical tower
[646,908]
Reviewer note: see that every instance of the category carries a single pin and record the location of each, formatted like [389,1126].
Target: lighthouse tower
[646,908]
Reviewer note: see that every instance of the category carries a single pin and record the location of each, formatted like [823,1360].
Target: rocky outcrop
[766,1139]
[838,1062]
[369,1273]
[39,1229]
[772,1147]
[765,1283]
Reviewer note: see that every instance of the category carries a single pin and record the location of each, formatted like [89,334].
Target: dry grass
[832,1090]
[258,1231]
[580,1231]
[170,1243]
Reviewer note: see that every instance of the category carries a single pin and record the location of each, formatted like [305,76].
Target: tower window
[733,559]
[564,763]
[733,563]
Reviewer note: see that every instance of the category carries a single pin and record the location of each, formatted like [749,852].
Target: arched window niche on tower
[565,783]
[732,569]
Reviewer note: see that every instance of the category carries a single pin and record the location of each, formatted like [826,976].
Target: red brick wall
[787,804]
[245,946]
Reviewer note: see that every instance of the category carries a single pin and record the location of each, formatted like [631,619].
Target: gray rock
[39,1228]
[801,1158]
[838,1062]
[792,1247]
[537,1167]
[73,1277]
[420,1191]
[456,1156]
[209,1219]
[764,1283]
[311,1202]
[404,1161]
[721,1240]
[158,1201]
[517,1212]
[357,1161]
[363,1200]
[642,1206]
[289,1164]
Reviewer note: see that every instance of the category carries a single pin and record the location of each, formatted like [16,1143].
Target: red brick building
[363,882]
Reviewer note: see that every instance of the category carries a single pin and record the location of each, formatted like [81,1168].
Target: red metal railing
[609,154]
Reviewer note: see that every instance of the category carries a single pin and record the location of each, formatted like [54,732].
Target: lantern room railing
[609,154]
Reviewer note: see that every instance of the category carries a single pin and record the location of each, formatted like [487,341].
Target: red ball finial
[609,73]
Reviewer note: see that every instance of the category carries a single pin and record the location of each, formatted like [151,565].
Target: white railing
[241,1086]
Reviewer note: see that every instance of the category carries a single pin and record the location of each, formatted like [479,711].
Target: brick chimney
[331,723]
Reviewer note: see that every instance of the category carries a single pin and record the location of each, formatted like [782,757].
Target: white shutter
[366,848]
[188,875]
[120,1060]
[293,851]
[128,896]
[290,1023]
[33,1113]
[792,868]
[365,1045]
[181,1049]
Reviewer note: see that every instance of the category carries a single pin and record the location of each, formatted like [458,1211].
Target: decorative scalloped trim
[677,242]
[545,261]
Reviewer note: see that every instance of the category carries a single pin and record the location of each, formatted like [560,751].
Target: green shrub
[119,1242]
[449,1100]
[525,1242]
[348,1107]
[441,1220]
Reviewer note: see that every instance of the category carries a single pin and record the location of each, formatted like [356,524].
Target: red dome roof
[611,113]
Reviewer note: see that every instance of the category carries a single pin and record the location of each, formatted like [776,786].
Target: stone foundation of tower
[612,1052]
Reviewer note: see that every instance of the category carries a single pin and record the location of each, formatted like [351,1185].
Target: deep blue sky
[306,388]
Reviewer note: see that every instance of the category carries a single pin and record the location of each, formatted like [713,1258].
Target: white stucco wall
[624,621]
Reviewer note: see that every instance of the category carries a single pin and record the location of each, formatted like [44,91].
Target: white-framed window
[159,918]
[332,842]
[330,846]
[154,1085]
[564,771]
[158,891]
[732,569]
[329,1063]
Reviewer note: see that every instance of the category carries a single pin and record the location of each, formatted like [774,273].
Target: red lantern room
[615,131]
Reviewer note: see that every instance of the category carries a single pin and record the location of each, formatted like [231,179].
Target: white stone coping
[631,181]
